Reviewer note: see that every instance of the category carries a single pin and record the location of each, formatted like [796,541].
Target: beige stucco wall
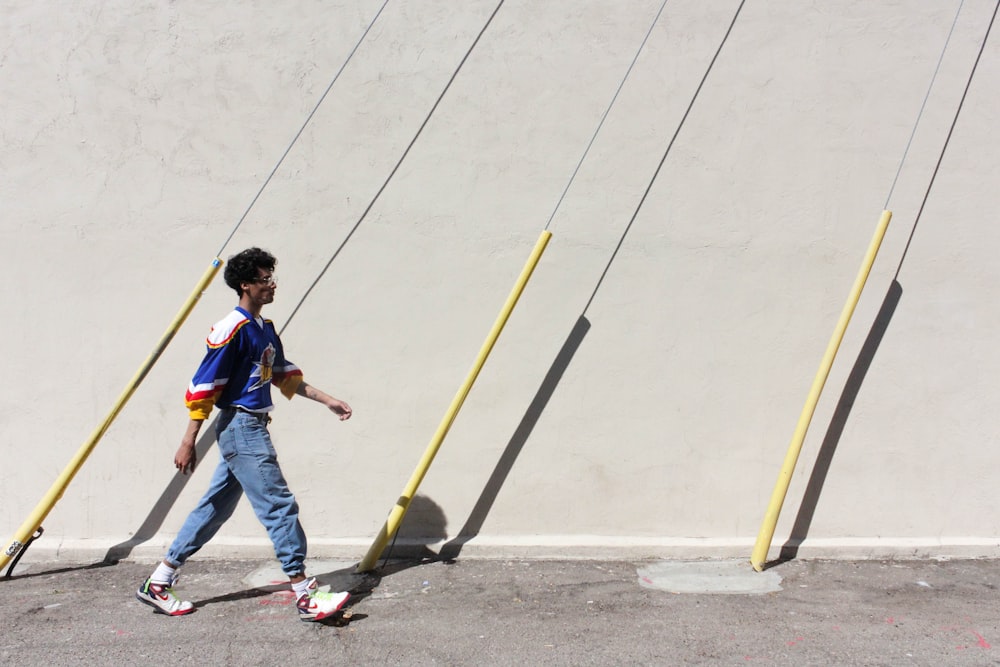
[643,395]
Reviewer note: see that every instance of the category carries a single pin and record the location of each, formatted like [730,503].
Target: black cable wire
[606,112]
[301,129]
[923,104]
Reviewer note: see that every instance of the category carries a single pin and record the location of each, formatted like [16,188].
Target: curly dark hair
[242,267]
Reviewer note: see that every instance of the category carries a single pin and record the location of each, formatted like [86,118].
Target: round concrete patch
[339,575]
[718,577]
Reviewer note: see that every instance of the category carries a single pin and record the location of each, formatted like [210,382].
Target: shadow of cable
[163,505]
[666,153]
[385,184]
[835,430]
[477,517]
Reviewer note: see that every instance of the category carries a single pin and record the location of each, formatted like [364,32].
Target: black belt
[263,416]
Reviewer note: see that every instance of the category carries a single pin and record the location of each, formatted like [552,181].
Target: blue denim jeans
[248,464]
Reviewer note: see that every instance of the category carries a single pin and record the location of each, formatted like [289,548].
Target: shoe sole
[320,616]
[143,599]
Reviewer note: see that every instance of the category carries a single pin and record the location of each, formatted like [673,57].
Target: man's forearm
[335,404]
[193,428]
[311,392]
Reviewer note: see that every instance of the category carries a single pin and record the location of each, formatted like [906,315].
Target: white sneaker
[162,599]
[315,605]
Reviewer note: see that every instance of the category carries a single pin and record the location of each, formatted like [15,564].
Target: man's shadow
[150,525]
[154,520]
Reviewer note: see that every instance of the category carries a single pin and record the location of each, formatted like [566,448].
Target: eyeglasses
[266,280]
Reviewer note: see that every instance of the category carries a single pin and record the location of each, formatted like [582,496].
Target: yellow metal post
[34,521]
[402,504]
[759,555]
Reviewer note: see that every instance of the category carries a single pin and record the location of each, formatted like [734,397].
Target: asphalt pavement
[524,612]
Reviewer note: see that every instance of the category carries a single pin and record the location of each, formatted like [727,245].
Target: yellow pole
[32,523]
[763,544]
[399,509]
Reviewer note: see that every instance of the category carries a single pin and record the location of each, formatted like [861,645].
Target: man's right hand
[186,457]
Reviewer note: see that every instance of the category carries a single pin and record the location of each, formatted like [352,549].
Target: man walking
[244,358]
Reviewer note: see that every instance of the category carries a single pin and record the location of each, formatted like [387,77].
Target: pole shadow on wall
[154,520]
[810,500]
[477,517]
[392,173]
[481,510]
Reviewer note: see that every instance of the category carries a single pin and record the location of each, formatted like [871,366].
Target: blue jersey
[244,359]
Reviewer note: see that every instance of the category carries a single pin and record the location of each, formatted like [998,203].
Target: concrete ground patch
[721,577]
[337,574]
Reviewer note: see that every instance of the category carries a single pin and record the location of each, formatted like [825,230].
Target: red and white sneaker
[315,605]
[162,599]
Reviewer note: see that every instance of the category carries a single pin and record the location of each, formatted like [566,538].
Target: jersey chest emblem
[264,368]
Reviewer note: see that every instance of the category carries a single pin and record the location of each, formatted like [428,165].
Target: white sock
[164,574]
[301,588]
